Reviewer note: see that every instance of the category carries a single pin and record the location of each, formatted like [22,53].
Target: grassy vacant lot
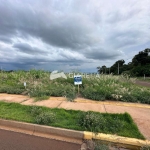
[120,124]
[106,87]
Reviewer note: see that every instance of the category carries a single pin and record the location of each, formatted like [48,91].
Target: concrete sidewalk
[139,112]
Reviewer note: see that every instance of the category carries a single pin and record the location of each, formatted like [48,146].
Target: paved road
[143,83]
[10,140]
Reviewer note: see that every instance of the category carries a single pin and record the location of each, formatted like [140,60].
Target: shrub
[39,92]
[11,90]
[95,122]
[71,96]
[35,111]
[45,118]
[91,121]
[3,89]
[70,93]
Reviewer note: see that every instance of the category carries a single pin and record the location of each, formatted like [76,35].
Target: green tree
[117,65]
[102,69]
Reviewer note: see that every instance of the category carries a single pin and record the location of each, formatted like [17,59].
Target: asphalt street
[10,140]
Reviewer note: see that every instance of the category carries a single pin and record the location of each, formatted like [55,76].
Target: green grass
[69,119]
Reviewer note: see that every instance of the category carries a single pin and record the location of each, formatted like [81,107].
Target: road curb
[46,131]
[42,131]
[131,143]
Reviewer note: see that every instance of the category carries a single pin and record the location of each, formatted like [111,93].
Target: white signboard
[77,79]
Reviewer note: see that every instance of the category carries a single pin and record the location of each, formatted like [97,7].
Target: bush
[35,111]
[93,94]
[70,93]
[39,92]
[91,121]
[97,93]
[15,91]
[94,122]
[11,90]
[45,118]
[71,96]
[42,117]
[3,89]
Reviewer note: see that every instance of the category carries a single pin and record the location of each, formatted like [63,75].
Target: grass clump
[91,121]
[45,118]
[35,110]
[42,117]
[96,122]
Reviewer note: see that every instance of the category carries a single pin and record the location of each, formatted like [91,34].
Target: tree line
[139,66]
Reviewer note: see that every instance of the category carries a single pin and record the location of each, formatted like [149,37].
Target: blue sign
[77,79]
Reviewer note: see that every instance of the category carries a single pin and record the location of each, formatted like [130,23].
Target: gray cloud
[101,54]
[26,48]
[5,39]
[70,34]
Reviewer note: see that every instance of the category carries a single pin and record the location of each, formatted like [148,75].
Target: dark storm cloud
[5,39]
[101,54]
[66,30]
[72,32]
[26,48]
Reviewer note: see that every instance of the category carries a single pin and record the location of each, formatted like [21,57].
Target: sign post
[77,81]
[25,85]
[78,89]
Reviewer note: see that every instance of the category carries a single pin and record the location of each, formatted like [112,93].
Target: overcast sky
[71,34]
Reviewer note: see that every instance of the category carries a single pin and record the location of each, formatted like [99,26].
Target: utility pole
[109,70]
[118,68]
